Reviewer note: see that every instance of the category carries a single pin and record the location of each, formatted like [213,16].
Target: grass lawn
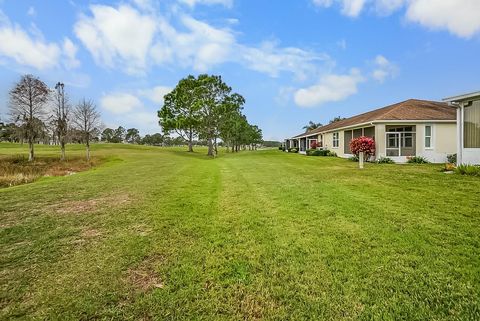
[156,233]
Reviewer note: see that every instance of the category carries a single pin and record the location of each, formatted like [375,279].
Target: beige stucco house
[409,128]
[468,127]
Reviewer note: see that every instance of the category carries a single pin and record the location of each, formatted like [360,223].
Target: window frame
[425,136]
[336,138]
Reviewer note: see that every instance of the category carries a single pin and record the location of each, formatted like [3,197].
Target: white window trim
[338,140]
[432,142]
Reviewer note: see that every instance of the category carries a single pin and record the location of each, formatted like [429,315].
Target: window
[428,136]
[471,130]
[335,139]
[400,141]
[347,137]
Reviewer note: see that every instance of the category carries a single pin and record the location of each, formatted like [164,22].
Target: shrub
[452,158]
[293,150]
[385,160]
[331,154]
[314,145]
[417,160]
[363,144]
[470,170]
[320,152]
[280,147]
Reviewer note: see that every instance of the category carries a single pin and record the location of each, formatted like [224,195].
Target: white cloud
[193,3]
[31,12]
[70,52]
[272,60]
[33,51]
[331,88]
[156,94]
[350,8]
[121,35]
[30,49]
[383,69]
[120,103]
[175,38]
[460,17]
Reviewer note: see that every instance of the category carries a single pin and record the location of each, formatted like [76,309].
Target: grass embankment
[162,234]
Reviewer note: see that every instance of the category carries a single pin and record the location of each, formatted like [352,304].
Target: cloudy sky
[293,61]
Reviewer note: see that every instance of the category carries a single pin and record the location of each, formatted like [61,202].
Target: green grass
[157,233]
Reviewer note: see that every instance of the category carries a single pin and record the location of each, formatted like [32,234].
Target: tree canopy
[205,107]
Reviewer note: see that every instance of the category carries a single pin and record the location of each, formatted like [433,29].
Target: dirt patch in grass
[18,170]
[91,205]
[144,276]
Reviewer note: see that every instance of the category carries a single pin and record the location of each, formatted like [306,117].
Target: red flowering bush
[363,144]
[314,145]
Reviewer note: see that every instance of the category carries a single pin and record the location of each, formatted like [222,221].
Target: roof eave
[462,97]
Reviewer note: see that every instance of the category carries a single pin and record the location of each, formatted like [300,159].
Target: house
[409,128]
[468,127]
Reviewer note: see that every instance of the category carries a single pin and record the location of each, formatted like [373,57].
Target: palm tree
[312,125]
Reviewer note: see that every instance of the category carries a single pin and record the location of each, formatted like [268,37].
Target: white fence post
[360,160]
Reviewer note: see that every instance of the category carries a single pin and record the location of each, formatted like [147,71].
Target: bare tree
[86,119]
[61,110]
[27,107]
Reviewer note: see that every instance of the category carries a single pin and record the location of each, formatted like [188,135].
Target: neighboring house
[409,128]
[468,127]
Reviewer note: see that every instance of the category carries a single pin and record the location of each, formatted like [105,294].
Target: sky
[293,60]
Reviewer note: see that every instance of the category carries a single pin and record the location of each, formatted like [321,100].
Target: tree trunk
[210,148]
[31,153]
[88,151]
[62,146]
[215,146]
[190,142]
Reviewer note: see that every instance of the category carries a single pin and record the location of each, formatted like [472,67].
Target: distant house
[468,127]
[409,128]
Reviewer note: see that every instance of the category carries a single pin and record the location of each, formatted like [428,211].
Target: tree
[213,96]
[86,119]
[180,113]
[312,125]
[133,136]
[338,118]
[61,110]
[107,135]
[9,132]
[27,106]
[119,135]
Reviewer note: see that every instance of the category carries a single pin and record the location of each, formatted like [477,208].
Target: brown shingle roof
[412,109]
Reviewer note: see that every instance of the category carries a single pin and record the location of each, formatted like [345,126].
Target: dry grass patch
[144,276]
[91,205]
[18,170]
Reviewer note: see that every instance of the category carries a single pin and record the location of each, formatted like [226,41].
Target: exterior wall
[465,155]
[444,141]
[328,144]
[380,143]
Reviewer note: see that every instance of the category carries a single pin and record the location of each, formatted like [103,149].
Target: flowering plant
[363,144]
[314,145]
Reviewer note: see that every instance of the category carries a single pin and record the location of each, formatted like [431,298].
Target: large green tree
[180,112]
[133,136]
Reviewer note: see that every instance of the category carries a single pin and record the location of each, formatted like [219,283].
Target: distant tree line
[200,111]
[206,109]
